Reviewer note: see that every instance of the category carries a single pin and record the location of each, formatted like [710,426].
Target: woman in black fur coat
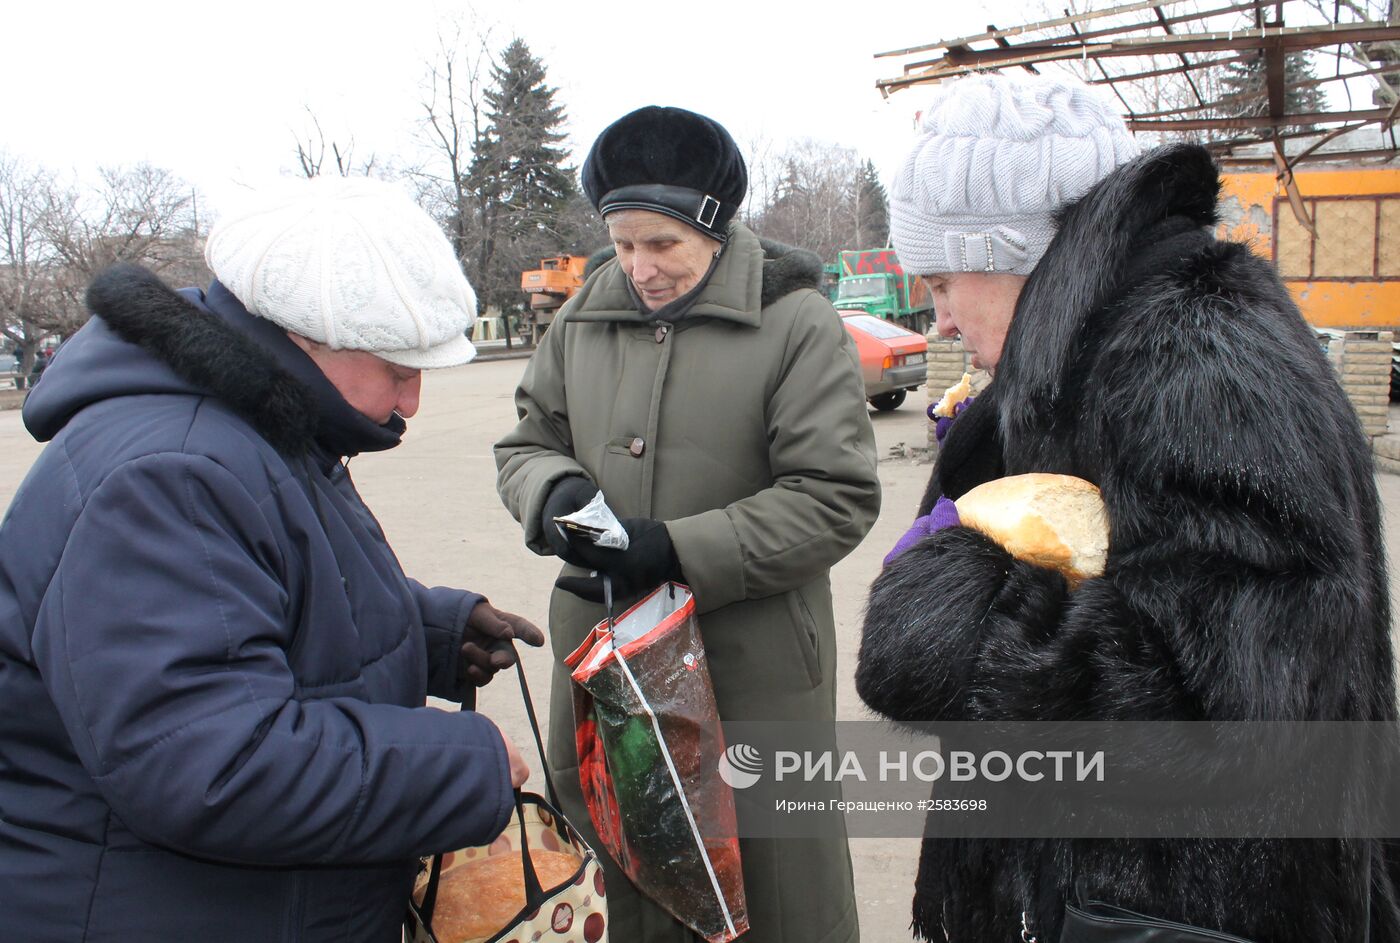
[1245,578]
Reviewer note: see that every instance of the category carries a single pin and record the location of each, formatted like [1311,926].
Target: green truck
[873,281]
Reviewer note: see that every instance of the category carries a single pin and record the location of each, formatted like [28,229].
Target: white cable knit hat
[996,156]
[351,263]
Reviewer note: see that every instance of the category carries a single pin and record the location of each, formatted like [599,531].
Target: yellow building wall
[1247,215]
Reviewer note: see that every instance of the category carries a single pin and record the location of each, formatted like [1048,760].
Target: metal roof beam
[1195,66]
[1310,159]
[1078,35]
[1255,121]
[1027,28]
[1290,39]
[1247,96]
[1167,28]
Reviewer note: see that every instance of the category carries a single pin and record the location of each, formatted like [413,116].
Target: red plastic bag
[649,744]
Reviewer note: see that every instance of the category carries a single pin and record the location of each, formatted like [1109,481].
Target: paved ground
[436,498]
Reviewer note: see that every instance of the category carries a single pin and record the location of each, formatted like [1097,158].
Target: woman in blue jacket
[212,668]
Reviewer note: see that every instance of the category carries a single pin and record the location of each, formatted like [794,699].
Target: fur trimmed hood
[146,338]
[202,349]
[785,268]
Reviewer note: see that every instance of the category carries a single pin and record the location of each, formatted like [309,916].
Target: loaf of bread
[945,408]
[478,899]
[1055,521]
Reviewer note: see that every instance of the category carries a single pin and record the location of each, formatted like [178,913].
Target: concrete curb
[1386,449]
[492,356]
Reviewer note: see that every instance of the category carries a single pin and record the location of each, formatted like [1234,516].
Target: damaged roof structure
[1164,61]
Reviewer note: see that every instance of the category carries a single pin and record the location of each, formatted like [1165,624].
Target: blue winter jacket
[212,668]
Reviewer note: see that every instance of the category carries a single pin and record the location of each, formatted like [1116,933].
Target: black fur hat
[671,161]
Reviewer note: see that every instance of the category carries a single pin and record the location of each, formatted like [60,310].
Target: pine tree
[1245,86]
[518,176]
[872,209]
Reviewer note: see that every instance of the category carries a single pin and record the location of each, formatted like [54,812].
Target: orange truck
[1344,272]
[549,286]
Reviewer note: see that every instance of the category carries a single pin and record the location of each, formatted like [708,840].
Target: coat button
[637,447]
[661,332]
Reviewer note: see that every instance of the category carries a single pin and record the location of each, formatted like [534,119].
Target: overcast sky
[218,92]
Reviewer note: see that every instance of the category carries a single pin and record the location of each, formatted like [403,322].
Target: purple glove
[944,514]
[941,424]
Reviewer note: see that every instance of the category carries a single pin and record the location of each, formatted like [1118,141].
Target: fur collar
[785,268]
[206,352]
[1085,266]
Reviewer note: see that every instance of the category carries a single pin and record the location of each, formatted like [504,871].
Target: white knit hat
[996,156]
[351,263]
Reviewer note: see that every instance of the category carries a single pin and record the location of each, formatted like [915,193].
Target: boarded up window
[1358,238]
[1292,244]
[1388,251]
[1346,238]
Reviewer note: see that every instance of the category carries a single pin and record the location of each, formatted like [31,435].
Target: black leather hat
[671,161]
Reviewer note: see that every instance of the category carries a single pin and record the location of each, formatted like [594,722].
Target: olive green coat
[744,427]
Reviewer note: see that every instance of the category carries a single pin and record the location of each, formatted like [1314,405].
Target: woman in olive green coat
[713,395]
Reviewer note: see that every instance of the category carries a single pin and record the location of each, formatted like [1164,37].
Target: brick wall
[947,362]
[1362,362]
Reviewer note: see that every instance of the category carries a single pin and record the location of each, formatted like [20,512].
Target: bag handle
[430,892]
[534,728]
[508,645]
[608,602]
[533,891]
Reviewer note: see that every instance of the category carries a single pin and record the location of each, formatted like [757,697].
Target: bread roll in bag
[478,899]
[1055,521]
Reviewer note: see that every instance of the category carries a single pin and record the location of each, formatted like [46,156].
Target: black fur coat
[1245,578]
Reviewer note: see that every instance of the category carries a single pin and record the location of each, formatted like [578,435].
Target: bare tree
[1231,83]
[1187,87]
[765,168]
[136,214]
[26,275]
[311,153]
[55,236]
[1386,91]
[142,214]
[498,182]
[815,201]
[454,123]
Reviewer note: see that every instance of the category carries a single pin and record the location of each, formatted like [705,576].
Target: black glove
[649,560]
[567,496]
[486,642]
